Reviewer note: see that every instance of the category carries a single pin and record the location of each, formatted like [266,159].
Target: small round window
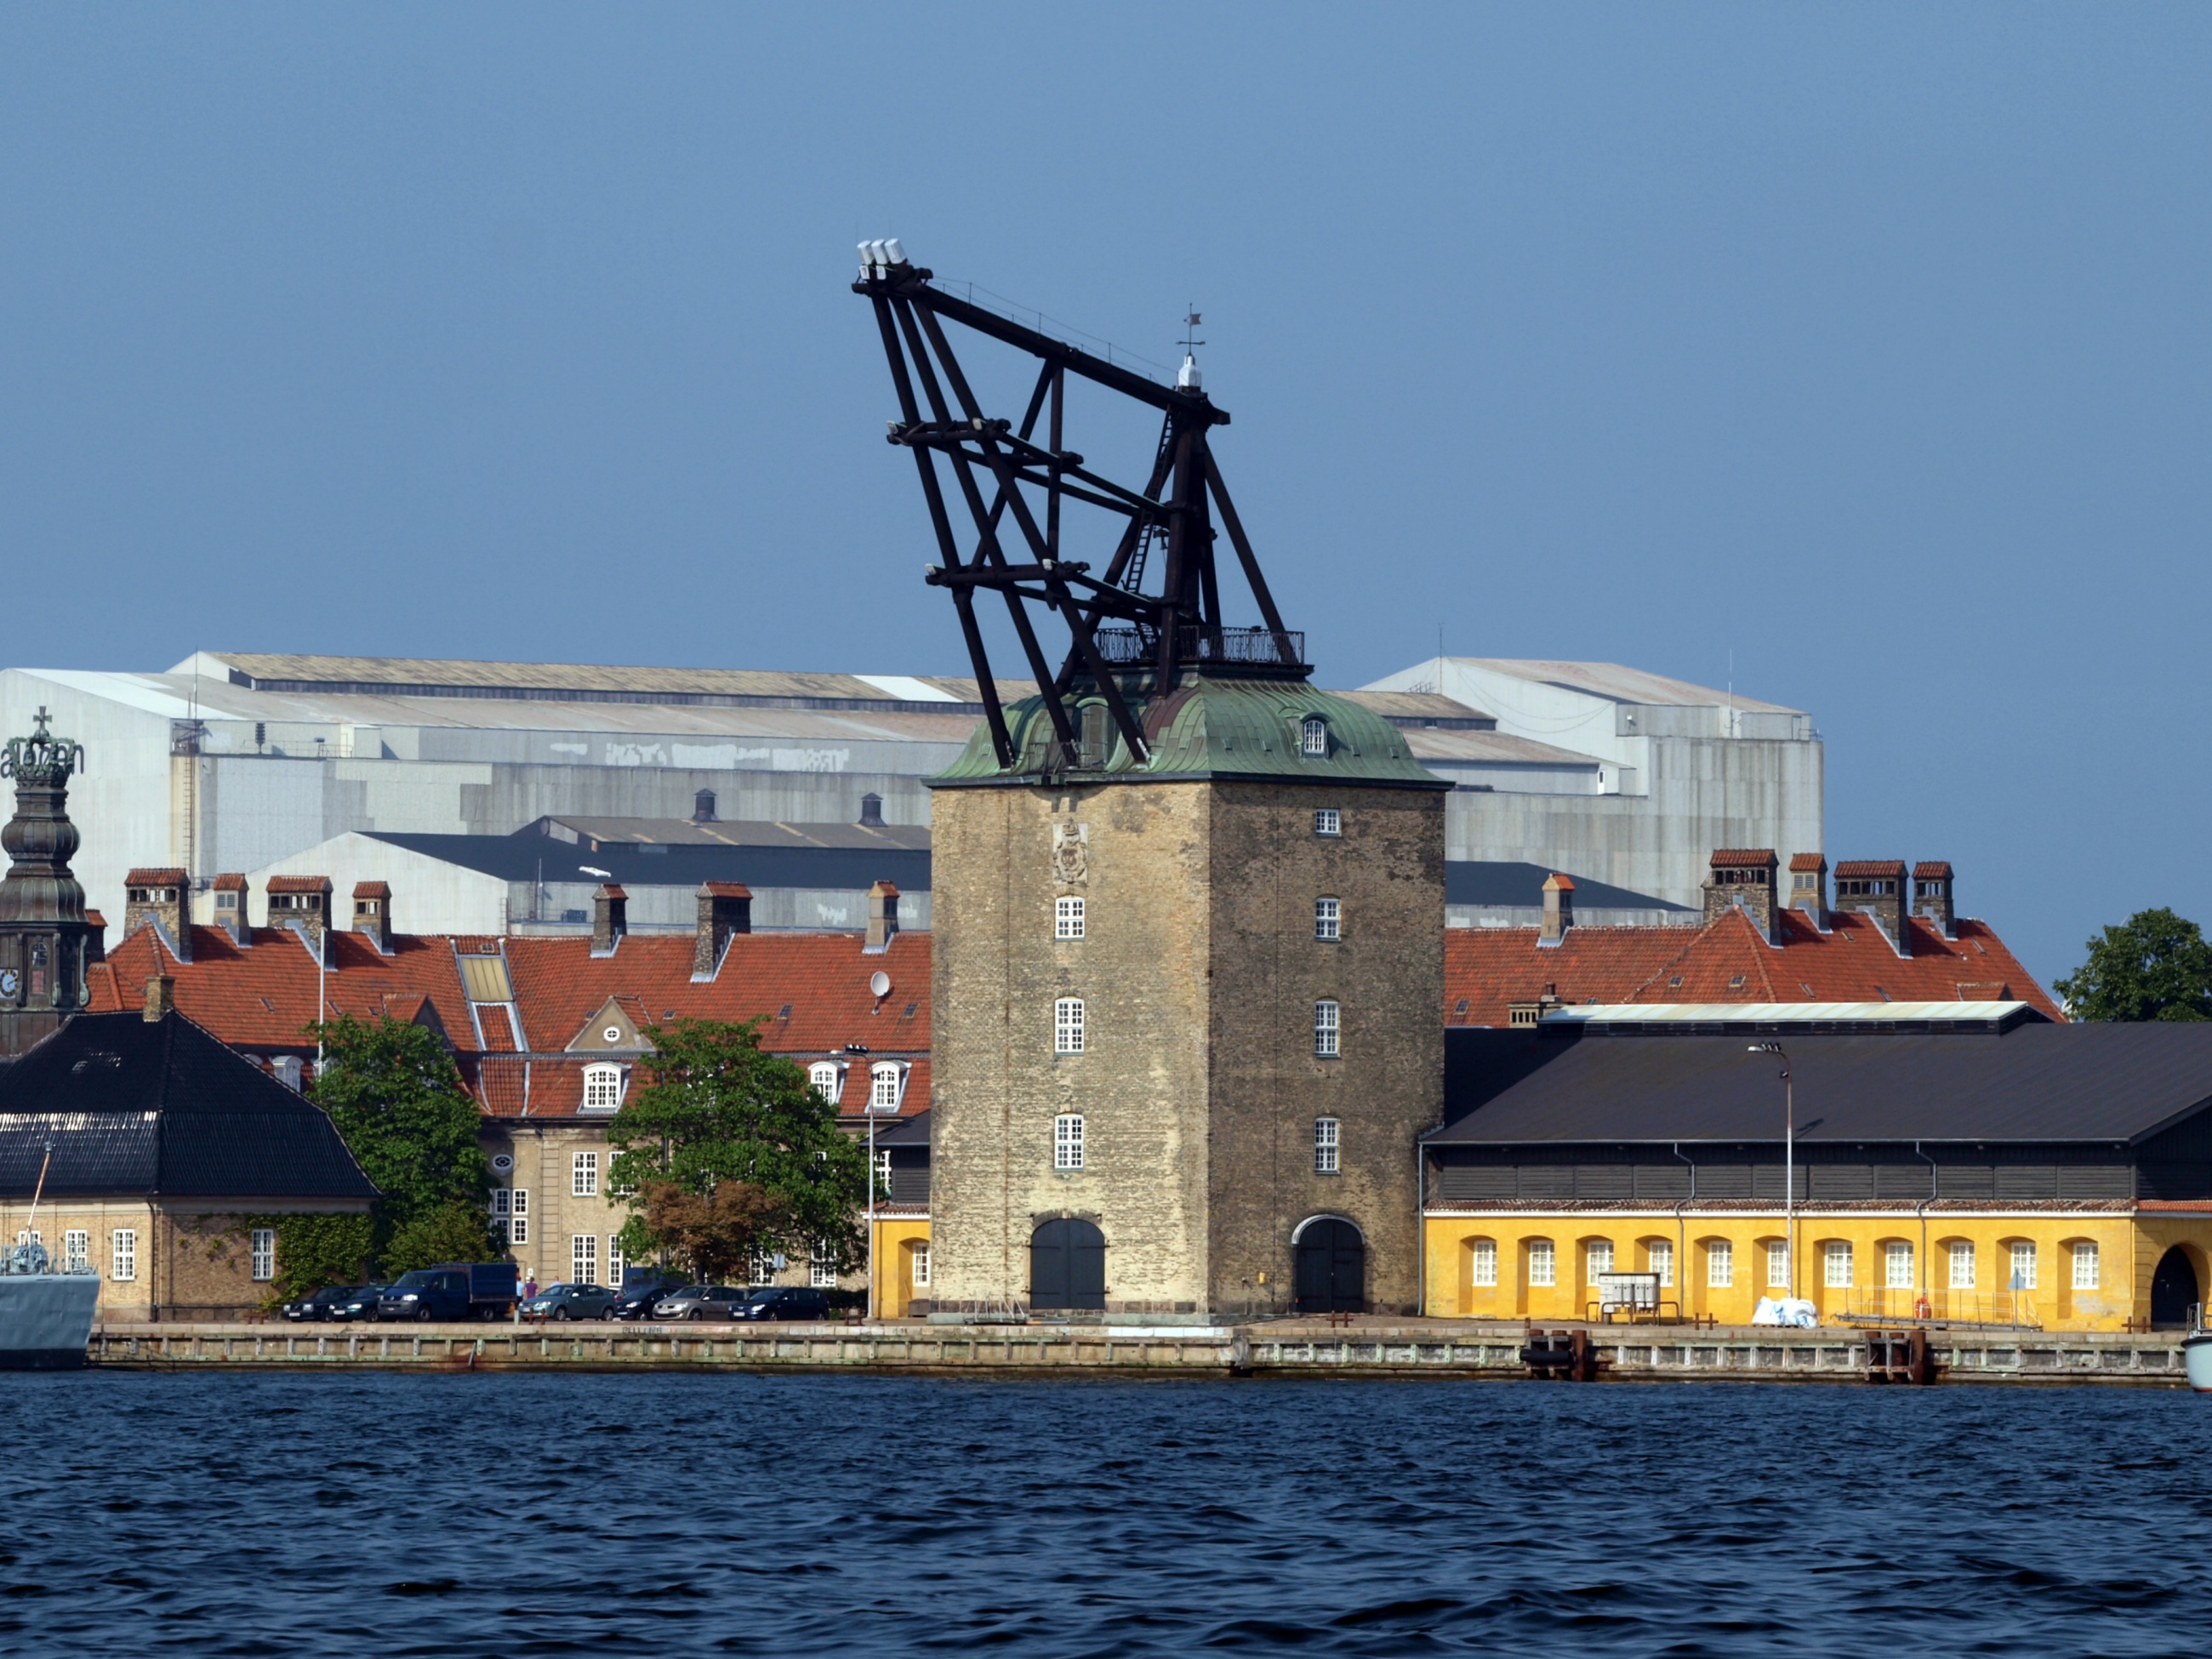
[1313,736]
[613,1034]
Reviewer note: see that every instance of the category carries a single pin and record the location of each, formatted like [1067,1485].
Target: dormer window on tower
[1313,736]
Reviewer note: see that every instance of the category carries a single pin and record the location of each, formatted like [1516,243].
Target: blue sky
[1862,349]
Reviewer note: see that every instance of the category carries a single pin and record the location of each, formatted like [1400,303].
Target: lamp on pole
[1788,1159]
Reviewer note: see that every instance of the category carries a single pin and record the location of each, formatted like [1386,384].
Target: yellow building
[1955,1163]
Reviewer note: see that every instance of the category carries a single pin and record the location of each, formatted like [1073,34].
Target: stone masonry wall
[1141,1084]
[1386,869]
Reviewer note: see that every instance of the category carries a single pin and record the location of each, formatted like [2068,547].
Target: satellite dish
[879,983]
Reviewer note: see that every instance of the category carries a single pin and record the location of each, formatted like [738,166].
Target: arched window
[883,1087]
[1067,1265]
[1313,735]
[603,1088]
[1325,1030]
[822,1076]
[1482,1262]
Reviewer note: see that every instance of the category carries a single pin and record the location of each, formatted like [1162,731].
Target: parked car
[323,1303]
[361,1304]
[785,1301]
[570,1302]
[701,1302]
[636,1299]
[450,1291]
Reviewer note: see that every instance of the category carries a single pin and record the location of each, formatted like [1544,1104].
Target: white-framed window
[1067,1141]
[1329,919]
[1067,1026]
[2085,1265]
[1720,1264]
[263,1239]
[1483,1261]
[1962,1264]
[1326,1130]
[1328,821]
[1067,917]
[822,1266]
[584,1175]
[1325,1030]
[603,1088]
[584,1259]
[616,1264]
[2023,1267]
[822,1078]
[1313,735]
[1778,1264]
[1541,1267]
[76,1250]
[518,1220]
[1662,1262]
[883,1086]
[1836,1265]
[760,1270]
[921,1267]
[1597,1258]
[1897,1265]
[124,1265]
[883,1174]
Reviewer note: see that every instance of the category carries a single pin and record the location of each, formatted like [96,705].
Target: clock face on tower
[8,982]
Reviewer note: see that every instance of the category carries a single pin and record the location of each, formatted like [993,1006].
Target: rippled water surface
[518,1514]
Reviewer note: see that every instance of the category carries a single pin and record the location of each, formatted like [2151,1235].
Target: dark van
[452,1290]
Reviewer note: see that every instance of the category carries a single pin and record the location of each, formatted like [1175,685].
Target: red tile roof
[1932,870]
[809,990]
[372,890]
[1728,960]
[229,883]
[1871,867]
[1808,861]
[299,883]
[156,878]
[1726,857]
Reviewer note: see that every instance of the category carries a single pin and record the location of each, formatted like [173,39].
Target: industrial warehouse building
[244,762]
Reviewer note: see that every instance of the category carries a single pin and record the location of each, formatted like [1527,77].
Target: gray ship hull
[45,1320]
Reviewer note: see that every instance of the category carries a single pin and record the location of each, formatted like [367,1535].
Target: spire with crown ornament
[46,942]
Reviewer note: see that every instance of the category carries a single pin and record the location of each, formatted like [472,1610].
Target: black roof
[526,856]
[1505,883]
[140,1108]
[2037,1082]
[904,1132]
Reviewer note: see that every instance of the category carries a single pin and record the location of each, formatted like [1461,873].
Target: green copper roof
[1222,729]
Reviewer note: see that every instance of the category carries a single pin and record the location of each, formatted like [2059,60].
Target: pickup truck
[452,1290]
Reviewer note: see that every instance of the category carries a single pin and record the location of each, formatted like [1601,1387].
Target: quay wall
[1277,1347]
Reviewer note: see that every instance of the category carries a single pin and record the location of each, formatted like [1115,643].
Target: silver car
[701,1302]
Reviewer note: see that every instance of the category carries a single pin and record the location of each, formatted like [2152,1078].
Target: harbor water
[253,1513]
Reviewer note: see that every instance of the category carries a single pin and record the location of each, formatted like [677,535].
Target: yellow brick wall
[2128,1248]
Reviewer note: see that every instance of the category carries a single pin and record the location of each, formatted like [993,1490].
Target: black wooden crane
[1123,638]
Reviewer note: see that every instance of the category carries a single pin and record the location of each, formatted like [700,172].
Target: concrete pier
[1364,1347]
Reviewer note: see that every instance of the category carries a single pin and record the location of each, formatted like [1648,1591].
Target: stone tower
[45,942]
[1187,1010]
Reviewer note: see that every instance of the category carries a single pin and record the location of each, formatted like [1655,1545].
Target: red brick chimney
[725,907]
[1875,888]
[163,896]
[1743,879]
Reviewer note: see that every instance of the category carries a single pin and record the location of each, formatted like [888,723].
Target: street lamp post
[1788,1159]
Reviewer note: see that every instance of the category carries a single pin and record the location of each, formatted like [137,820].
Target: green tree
[729,1151]
[2155,965]
[395,1098]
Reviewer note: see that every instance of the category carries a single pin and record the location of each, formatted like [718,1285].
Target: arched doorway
[2173,1290]
[1067,1267]
[1332,1267]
